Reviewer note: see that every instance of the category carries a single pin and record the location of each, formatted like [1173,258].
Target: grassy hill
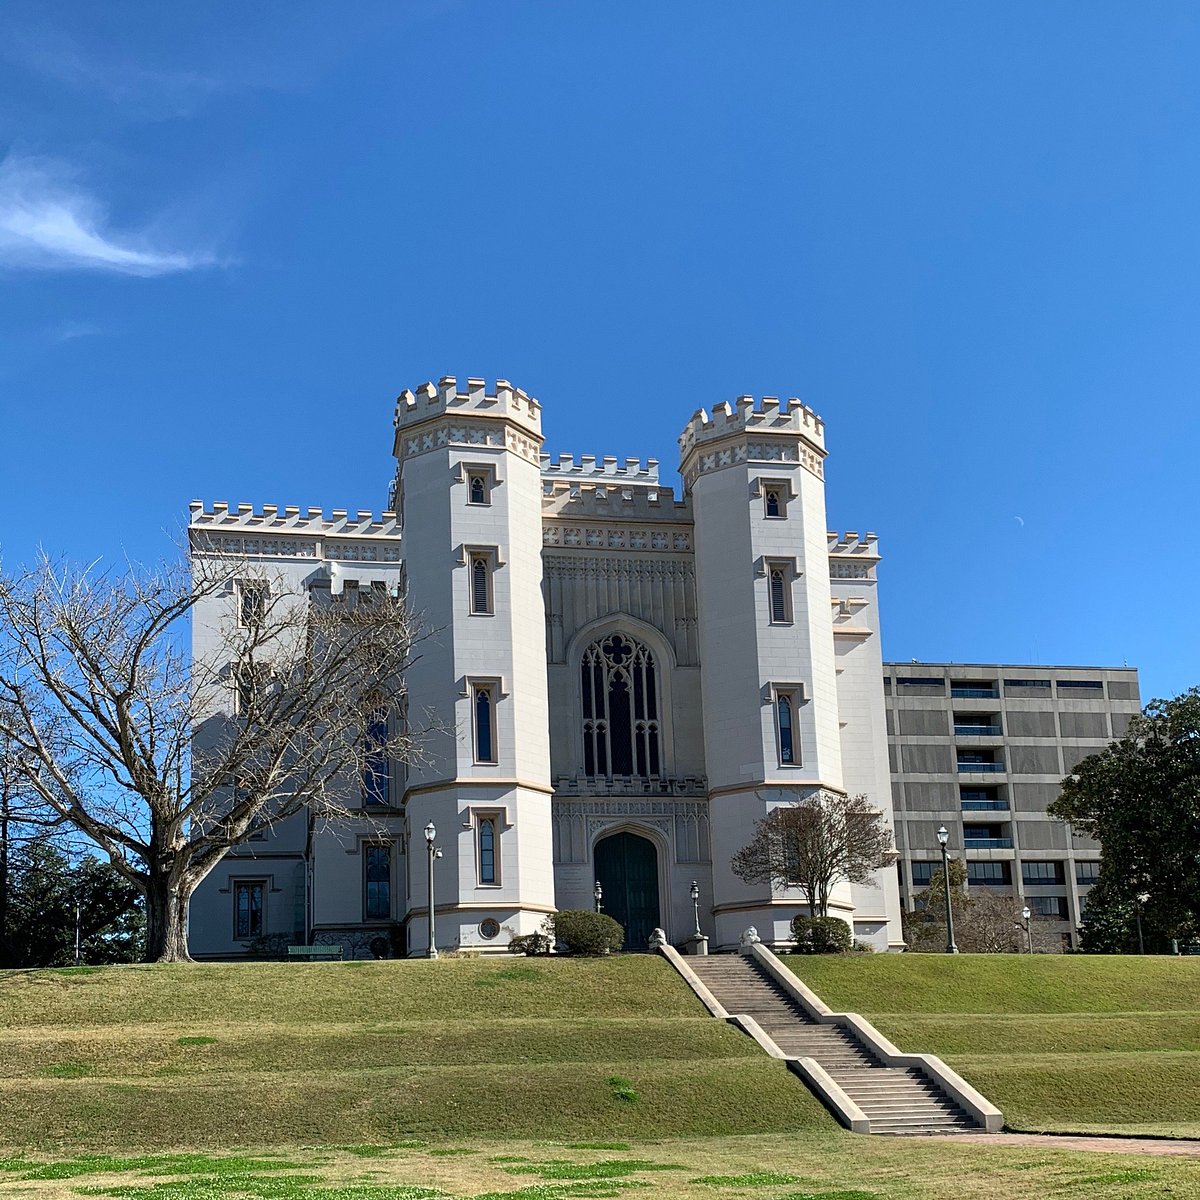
[541,1080]
[259,1054]
[1071,1043]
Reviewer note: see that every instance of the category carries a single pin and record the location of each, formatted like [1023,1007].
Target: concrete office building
[982,749]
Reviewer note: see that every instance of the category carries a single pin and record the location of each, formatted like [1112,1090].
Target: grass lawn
[1067,1043]
[826,1165]
[247,1055]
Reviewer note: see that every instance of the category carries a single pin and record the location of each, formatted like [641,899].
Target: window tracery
[621,732]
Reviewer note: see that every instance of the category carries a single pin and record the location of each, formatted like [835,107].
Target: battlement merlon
[628,472]
[768,417]
[430,402]
[853,545]
[291,519]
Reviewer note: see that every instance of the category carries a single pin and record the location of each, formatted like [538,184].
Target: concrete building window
[249,679]
[922,873]
[480,566]
[780,586]
[1087,873]
[478,491]
[619,683]
[1048,906]
[248,907]
[377,882]
[376,776]
[989,874]
[487,850]
[483,702]
[775,500]
[1076,687]
[252,598]
[787,703]
[1036,873]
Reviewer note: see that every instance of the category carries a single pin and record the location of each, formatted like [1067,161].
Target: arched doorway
[627,870]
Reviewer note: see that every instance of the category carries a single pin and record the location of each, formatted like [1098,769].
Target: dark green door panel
[627,870]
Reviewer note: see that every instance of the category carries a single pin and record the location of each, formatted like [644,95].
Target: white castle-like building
[635,679]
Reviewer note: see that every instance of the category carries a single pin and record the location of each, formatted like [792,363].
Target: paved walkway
[1180,1148]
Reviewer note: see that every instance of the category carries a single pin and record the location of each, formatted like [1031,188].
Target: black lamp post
[1026,914]
[598,894]
[434,852]
[696,906]
[943,837]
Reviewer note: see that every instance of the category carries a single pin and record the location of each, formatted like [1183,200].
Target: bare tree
[815,842]
[167,760]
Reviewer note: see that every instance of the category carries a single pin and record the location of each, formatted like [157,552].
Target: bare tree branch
[168,761]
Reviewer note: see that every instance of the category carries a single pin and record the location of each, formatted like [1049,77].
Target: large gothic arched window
[620,709]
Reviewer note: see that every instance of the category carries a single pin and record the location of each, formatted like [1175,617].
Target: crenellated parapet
[768,430]
[588,466]
[853,556]
[271,531]
[439,415]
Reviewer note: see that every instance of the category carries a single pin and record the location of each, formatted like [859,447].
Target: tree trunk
[166,920]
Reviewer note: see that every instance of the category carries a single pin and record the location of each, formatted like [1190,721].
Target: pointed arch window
[481,585]
[621,732]
[484,704]
[487,850]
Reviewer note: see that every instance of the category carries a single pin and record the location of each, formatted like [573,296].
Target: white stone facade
[631,656]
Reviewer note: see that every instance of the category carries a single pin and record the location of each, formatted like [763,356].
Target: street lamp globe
[943,836]
[695,892]
[430,833]
[1025,913]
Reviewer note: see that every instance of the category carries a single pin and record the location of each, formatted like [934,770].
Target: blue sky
[967,235]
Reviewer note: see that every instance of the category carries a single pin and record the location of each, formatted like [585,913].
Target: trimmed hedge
[821,935]
[587,933]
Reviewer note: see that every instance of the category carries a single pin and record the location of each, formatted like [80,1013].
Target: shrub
[584,932]
[530,944]
[821,935]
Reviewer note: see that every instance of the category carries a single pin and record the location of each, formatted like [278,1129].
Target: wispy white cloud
[155,93]
[49,222]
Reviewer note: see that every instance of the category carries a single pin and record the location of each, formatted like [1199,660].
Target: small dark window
[1087,873]
[922,873]
[248,908]
[481,585]
[477,489]
[487,850]
[252,603]
[485,742]
[377,882]
[774,502]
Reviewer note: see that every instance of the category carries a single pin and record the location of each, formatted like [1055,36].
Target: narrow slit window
[781,613]
[481,585]
[485,722]
[376,765]
[786,729]
[487,850]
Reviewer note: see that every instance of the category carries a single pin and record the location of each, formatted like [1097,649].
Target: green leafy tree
[44,888]
[1140,798]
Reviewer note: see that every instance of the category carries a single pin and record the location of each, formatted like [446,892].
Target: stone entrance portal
[627,870]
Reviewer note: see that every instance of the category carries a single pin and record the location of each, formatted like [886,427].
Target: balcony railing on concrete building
[977,731]
[986,767]
[985,806]
[988,843]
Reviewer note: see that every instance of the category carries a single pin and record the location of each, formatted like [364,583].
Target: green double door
[627,870]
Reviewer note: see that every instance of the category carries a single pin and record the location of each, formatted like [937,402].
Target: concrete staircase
[895,1100]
